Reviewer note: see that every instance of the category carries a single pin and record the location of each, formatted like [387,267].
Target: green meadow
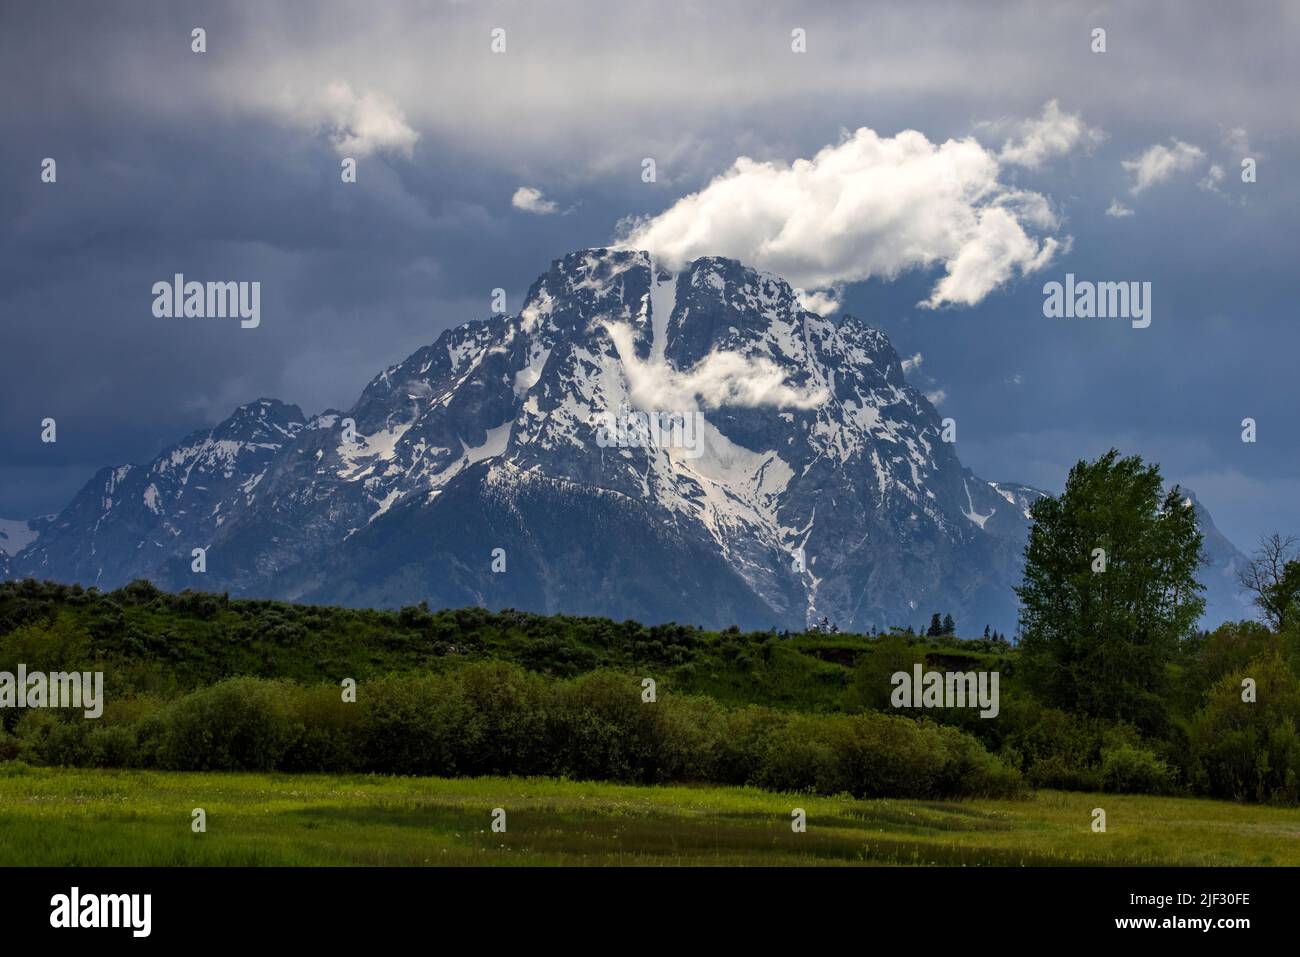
[60,816]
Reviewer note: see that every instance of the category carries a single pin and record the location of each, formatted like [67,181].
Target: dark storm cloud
[224,166]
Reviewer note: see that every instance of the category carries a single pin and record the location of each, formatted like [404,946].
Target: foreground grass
[51,816]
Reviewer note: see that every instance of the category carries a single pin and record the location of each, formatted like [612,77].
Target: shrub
[495,718]
[601,729]
[1132,770]
[330,740]
[874,755]
[410,724]
[688,729]
[505,719]
[971,770]
[1056,771]
[111,746]
[240,724]
[1058,749]
[740,743]
[793,759]
[1251,750]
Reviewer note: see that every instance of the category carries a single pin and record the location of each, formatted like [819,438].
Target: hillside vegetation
[197,681]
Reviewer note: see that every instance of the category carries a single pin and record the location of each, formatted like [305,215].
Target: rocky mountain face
[15,535]
[1224,598]
[129,521]
[687,446]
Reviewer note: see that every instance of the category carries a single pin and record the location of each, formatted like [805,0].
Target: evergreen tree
[949,626]
[935,629]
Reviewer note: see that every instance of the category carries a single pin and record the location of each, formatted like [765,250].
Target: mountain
[17,534]
[128,521]
[635,443]
[1224,598]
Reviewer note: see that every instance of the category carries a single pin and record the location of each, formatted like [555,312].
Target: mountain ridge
[818,484]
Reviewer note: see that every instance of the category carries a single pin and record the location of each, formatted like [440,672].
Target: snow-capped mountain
[129,520]
[17,534]
[522,461]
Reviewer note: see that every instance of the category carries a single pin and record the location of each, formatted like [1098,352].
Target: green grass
[52,816]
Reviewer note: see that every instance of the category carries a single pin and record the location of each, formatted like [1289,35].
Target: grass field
[75,817]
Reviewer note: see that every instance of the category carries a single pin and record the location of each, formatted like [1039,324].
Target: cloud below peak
[722,378]
[870,206]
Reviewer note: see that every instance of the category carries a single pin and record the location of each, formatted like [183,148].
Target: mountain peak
[680,443]
[262,419]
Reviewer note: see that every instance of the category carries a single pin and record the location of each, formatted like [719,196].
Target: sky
[926,167]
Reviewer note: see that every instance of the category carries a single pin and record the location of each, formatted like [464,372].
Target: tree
[986,631]
[949,626]
[936,628]
[1226,650]
[1273,576]
[1109,590]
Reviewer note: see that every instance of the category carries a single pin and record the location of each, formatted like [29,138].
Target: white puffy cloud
[936,397]
[1053,134]
[870,206]
[913,362]
[531,200]
[357,125]
[1118,209]
[1160,162]
[720,378]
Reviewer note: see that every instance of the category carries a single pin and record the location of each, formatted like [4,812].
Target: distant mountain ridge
[820,486]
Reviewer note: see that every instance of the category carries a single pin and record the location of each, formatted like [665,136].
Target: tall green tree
[1110,589]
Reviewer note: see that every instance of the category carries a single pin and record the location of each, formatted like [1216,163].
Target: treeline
[1111,686]
[157,649]
[197,638]
[1201,737]
[162,643]
[497,718]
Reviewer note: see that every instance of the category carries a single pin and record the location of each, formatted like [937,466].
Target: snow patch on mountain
[16,535]
[811,444]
